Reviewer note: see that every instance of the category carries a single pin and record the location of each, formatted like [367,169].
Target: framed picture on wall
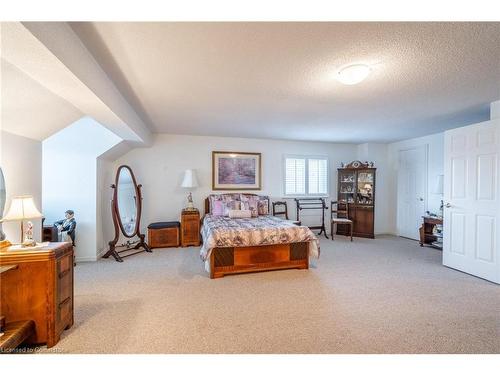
[236,170]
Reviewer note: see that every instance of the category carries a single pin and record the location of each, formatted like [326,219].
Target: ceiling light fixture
[353,74]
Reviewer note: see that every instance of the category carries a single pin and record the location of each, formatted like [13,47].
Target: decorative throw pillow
[217,208]
[229,197]
[231,205]
[250,202]
[263,205]
[219,201]
[240,214]
[216,204]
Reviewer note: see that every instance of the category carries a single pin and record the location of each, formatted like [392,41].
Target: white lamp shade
[22,208]
[438,189]
[189,180]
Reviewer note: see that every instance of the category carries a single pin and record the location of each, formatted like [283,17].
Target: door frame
[425,148]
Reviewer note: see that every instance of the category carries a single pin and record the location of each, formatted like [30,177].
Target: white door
[471,214]
[412,183]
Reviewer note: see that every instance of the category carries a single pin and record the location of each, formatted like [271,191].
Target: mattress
[222,231]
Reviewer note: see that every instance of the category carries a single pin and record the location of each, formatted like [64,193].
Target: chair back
[339,209]
[280,209]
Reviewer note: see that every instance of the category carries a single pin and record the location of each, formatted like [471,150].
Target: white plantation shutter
[306,175]
[318,176]
[295,176]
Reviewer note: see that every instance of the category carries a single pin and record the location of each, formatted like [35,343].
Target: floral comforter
[221,231]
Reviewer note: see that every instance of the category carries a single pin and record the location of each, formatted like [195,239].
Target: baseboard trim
[91,259]
[101,253]
[85,259]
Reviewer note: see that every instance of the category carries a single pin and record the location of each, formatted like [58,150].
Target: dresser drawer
[64,265]
[64,287]
[64,313]
[190,227]
[190,219]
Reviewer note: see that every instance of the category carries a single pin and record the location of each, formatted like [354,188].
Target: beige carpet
[370,296]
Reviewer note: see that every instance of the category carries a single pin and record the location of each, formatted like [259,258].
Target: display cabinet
[356,187]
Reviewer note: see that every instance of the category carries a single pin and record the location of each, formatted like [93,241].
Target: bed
[262,243]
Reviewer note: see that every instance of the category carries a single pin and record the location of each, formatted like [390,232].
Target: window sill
[304,196]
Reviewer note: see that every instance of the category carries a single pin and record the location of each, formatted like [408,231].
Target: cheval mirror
[126,208]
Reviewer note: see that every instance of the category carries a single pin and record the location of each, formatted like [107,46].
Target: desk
[427,236]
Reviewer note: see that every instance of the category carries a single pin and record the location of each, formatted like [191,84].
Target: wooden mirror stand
[128,246]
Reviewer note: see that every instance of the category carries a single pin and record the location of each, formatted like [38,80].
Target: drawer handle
[64,302]
[62,274]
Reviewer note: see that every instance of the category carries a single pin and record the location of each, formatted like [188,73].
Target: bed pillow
[218,203]
[217,208]
[250,202]
[240,214]
[263,205]
[231,205]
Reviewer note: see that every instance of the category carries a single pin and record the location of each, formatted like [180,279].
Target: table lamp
[23,208]
[189,181]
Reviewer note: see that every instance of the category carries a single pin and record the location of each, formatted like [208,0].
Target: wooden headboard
[207,202]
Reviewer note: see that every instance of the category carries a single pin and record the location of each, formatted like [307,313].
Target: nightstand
[190,228]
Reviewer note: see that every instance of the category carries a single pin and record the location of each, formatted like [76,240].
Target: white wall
[70,179]
[21,162]
[495,110]
[160,170]
[435,164]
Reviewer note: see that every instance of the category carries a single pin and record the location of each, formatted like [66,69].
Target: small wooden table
[427,236]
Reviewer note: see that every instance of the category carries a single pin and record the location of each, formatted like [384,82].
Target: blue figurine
[66,227]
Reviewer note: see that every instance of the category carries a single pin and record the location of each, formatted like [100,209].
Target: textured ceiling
[275,79]
[29,109]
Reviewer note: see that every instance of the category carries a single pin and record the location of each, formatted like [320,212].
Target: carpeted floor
[370,296]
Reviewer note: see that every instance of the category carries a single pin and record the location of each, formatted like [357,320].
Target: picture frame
[236,170]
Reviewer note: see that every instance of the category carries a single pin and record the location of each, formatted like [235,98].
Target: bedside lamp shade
[22,208]
[189,180]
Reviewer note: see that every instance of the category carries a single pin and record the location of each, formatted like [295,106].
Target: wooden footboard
[230,260]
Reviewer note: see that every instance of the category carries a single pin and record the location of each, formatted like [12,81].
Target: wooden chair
[342,209]
[281,209]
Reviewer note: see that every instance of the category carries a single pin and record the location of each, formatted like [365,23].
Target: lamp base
[28,243]
[190,206]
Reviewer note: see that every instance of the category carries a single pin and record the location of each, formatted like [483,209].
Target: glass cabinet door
[347,186]
[365,187]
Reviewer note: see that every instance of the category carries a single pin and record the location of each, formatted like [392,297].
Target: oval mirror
[126,208]
[127,201]
[2,202]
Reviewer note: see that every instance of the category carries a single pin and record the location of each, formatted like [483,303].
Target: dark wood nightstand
[190,228]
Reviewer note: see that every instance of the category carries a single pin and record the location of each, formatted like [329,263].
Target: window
[306,175]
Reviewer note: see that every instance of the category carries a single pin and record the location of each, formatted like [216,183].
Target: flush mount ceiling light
[353,74]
